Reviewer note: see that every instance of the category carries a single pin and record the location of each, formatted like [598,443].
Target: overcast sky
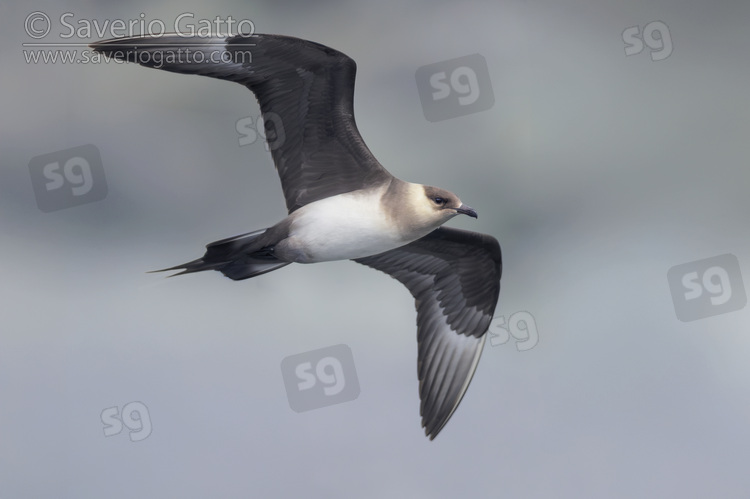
[597,171]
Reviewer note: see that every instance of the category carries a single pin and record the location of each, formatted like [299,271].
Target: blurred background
[614,148]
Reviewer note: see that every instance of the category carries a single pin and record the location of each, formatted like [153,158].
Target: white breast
[342,227]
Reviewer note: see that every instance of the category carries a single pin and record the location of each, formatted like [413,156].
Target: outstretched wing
[454,276]
[306,95]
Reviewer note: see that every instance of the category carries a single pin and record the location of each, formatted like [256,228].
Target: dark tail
[236,257]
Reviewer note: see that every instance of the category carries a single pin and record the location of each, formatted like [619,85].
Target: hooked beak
[467,210]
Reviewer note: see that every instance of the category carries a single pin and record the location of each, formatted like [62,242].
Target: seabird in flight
[343,205]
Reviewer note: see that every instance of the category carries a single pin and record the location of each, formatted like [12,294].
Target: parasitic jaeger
[342,204]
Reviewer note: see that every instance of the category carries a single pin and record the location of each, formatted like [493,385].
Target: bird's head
[419,209]
[443,205]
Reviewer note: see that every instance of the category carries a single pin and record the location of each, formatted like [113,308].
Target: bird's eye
[439,201]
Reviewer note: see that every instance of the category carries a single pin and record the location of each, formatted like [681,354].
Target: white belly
[341,227]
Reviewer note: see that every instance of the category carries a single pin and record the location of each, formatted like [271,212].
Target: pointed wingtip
[101,45]
[431,432]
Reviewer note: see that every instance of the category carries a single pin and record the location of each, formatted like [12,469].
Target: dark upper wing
[454,276]
[306,95]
